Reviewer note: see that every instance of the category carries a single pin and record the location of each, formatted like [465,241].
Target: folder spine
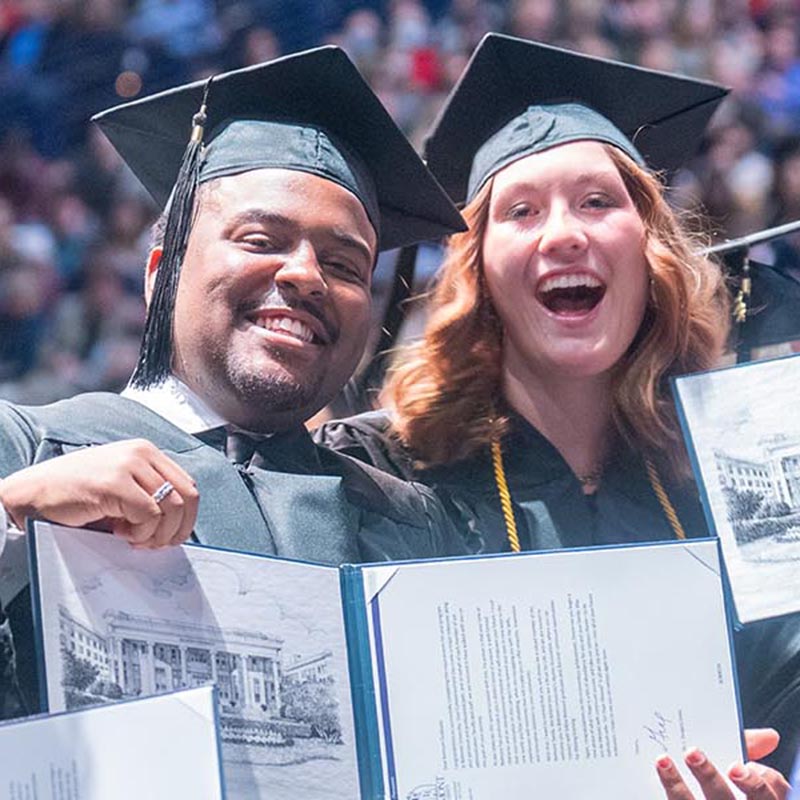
[36,618]
[362,685]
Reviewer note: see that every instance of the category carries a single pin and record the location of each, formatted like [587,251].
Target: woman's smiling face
[564,261]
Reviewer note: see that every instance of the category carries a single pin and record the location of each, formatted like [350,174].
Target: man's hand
[756,781]
[109,486]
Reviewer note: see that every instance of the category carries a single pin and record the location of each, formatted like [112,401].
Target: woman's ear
[151,270]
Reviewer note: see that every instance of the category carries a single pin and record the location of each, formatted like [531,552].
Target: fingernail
[738,772]
[664,763]
[695,757]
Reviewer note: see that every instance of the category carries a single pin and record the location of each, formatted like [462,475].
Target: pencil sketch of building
[84,643]
[312,668]
[145,655]
[776,475]
[150,655]
[140,655]
[761,496]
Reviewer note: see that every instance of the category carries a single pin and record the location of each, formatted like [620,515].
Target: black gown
[552,511]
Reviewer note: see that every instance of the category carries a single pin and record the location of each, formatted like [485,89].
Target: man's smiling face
[273,305]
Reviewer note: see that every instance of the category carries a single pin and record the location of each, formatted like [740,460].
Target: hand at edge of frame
[755,781]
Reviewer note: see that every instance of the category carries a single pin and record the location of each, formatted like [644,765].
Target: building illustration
[311,668]
[144,655]
[776,475]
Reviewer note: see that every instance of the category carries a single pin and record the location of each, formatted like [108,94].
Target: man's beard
[276,391]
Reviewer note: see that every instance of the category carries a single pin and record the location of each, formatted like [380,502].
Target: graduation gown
[550,507]
[551,511]
[305,502]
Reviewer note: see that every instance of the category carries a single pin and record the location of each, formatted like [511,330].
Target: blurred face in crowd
[564,261]
[273,304]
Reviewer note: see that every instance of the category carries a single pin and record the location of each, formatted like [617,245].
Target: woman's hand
[756,781]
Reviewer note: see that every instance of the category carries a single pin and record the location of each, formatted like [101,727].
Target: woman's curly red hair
[445,389]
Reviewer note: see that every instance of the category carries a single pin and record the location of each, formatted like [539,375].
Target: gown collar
[177,403]
[287,451]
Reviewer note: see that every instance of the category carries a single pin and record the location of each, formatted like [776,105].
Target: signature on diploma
[658,731]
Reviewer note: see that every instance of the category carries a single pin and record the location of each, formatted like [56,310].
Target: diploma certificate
[565,674]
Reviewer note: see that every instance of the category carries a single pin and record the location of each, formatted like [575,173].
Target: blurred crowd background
[74,223]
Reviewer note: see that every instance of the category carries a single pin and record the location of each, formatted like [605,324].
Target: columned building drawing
[784,454]
[145,655]
[776,476]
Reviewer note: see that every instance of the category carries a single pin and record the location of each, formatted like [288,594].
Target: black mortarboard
[766,297]
[311,112]
[517,97]
[329,122]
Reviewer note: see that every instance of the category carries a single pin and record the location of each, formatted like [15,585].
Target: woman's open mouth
[570,294]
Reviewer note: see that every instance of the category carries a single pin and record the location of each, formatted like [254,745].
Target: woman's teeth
[571,294]
[569,282]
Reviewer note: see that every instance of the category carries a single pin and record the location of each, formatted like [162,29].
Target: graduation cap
[311,112]
[518,97]
[766,298]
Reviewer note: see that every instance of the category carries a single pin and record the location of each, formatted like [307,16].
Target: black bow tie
[287,451]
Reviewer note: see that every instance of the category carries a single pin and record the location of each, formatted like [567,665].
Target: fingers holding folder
[756,781]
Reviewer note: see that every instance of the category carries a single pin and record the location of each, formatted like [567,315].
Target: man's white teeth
[288,325]
[569,281]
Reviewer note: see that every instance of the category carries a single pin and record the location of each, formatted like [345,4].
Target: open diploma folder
[564,673]
[161,748]
[742,430]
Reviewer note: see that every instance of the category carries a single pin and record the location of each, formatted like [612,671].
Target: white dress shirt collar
[178,404]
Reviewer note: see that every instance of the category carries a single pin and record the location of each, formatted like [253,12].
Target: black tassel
[155,355]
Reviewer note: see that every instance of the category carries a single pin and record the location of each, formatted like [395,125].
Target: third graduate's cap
[766,297]
[311,112]
[518,97]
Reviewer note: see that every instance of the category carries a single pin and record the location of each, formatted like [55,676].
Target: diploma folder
[564,673]
[159,748]
[742,432]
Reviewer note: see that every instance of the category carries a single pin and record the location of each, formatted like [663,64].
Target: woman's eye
[599,201]
[519,211]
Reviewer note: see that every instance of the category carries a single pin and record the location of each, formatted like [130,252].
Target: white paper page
[561,674]
[161,748]
[268,632]
[745,433]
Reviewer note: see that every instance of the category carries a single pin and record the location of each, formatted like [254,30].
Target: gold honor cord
[508,511]
[505,496]
[663,498]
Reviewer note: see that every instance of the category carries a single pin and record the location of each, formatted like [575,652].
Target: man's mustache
[277,302]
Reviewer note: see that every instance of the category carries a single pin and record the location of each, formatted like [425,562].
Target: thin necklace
[508,510]
[590,478]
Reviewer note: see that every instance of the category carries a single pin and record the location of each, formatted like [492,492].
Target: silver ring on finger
[163,491]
